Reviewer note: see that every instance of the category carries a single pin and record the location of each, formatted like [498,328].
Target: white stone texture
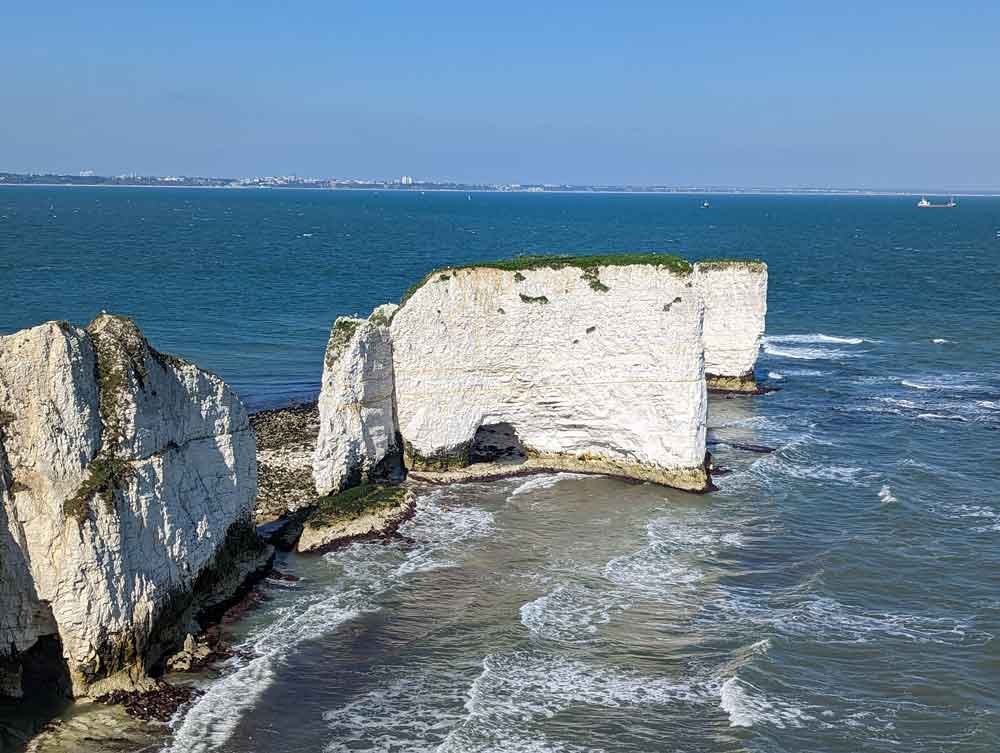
[358,435]
[108,571]
[611,378]
[735,296]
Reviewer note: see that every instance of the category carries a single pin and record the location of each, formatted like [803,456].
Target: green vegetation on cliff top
[589,264]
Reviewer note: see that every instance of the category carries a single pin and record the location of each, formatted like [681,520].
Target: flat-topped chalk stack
[592,364]
[127,482]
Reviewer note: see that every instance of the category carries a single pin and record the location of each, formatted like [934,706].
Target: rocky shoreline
[163,499]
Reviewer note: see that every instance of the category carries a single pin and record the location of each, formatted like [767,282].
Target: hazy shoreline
[846,193]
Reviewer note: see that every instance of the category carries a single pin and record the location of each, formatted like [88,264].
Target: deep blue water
[839,594]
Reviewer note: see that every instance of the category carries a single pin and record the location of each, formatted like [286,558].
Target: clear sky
[868,94]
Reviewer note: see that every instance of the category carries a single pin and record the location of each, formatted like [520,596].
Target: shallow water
[839,594]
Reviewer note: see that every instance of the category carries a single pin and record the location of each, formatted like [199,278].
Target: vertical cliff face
[127,486]
[735,295]
[359,435]
[594,366]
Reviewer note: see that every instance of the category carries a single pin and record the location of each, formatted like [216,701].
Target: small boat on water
[705,205]
[924,204]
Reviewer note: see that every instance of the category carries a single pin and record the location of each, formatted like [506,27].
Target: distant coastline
[54,180]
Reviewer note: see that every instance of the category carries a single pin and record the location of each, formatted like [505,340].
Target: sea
[839,592]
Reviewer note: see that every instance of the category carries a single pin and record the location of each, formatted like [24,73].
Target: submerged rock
[127,481]
[735,295]
[358,436]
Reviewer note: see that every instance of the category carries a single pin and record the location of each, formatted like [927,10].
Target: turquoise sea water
[839,594]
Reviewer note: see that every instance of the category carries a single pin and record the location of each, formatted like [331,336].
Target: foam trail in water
[211,720]
[746,706]
[570,613]
[815,338]
[544,481]
[810,347]
[885,495]
[368,572]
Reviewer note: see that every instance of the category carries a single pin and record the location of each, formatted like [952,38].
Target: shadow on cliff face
[39,673]
[497,443]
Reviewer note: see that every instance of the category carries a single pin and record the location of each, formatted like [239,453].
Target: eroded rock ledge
[127,481]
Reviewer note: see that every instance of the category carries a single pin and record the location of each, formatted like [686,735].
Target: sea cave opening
[497,443]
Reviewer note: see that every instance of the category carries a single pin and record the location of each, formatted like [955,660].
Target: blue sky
[874,94]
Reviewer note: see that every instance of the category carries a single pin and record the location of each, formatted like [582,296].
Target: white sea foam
[805,372]
[808,354]
[544,481]
[570,613]
[775,375]
[816,338]
[414,713]
[940,417]
[960,382]
[940,341]
[815,347]
[212,718]
[747,706]
[987,519]
[368,572]
[515,689]
[827,620]
[522,685]
[885,495]
[653,571]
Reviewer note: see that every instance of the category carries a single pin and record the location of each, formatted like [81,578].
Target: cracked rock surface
[127,481]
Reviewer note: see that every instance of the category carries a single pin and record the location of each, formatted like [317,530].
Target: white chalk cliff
[735,295]
[127,481]
[359,436]
[571,363]
[596,367]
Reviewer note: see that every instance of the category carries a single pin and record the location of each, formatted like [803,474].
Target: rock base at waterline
[745,384]
[361,512]
[696,480]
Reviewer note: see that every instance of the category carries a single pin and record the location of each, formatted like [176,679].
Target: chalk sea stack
[735,295]
[590,364]
[127,482]
[358,439]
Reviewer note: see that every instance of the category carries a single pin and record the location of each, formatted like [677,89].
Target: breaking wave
[815,338]
[747,706]
[815,347]
[570,613]
[369,571]
[543,481]
[833,622]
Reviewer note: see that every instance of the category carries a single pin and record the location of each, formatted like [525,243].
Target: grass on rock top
[354,502]
[754,265]
[589,265]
